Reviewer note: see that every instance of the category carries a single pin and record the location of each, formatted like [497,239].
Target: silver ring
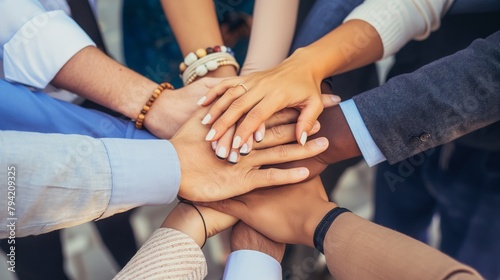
[243,85]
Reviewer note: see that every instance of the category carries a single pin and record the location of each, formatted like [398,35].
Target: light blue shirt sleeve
[139,177]
[368,147]
[36,43]
[251,265]
[65,180]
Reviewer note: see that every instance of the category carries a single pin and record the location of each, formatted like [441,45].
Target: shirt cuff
[43,45]
[144,172]
[251,265]
[369,149]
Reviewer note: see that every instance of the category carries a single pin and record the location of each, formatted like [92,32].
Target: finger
[224,143]
[330,100]
[209,82]
[282,134]
[307,118]
[285,116]
[251,122]
[290,152]
[260,133]
[273,177]
[217,90]
[227,111]
[233,207]
[246,147]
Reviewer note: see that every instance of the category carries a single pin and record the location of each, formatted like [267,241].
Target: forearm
[93,75]
[355,247]
[66,180]
[272,33]
[195,26]
[352,45]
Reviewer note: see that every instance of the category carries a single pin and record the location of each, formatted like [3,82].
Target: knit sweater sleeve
[167,254]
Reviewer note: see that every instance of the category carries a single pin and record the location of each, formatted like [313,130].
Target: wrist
[307,60]
[317,213]
[186,219]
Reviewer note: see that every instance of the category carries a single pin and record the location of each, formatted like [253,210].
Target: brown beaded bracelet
[156,93]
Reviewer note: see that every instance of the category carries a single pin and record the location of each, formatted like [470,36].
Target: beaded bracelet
[208,63]
[156,93]
[192,57]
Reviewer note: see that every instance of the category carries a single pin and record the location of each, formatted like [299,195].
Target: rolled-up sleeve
[397,22]
[36,43]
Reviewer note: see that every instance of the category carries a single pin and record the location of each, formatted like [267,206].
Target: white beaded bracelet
[208,63]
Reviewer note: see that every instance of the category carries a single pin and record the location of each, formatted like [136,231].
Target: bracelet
[204,225]
[208,63]
[192,57]
[156,93]
[324,225]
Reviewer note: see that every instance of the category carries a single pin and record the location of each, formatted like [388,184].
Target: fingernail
[303,138]
[303,171]
[335,98]
[214,145]
[233,157]
[236,142]
[321,142]
[201,100]
[258,136]
[316,126]
[206,119]
[210,135]
[221,153]
[244,150]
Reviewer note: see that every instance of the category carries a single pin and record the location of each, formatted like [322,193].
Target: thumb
[330,100]
[307,119]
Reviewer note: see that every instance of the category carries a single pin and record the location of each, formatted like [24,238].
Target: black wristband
[202,219]
[324,225]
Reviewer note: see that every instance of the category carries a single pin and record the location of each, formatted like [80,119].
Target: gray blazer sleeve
[437,103]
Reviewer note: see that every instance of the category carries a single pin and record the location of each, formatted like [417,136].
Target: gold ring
[243,85]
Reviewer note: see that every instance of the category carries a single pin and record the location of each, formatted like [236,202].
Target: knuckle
[279,132]
[281,151]
[256,114]
[237,105]
[271,176]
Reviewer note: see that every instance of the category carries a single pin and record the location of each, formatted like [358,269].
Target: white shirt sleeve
[251,265]
[66,180]
[397,22]
[34,43]
[369,149]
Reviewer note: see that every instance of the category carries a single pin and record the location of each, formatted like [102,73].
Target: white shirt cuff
[144,172]
[41,47]
[251,265]
[369,149]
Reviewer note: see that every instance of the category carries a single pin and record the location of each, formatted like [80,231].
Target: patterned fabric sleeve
[167,254]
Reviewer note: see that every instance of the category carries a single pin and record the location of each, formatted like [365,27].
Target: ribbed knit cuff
[385,17]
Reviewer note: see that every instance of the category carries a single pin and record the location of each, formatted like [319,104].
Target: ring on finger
[242,85]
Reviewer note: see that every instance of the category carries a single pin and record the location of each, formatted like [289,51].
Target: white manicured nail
[258,136]
[303,138]
[221,152]
[210,135]
[244,149]
[206,119]
[233,157]
[201,100]
[236,142]
[214,145]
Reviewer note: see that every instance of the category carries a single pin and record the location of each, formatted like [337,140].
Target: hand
[286,214]
[206,178]
[174,107]
[223,146]
[244,237]
[186,219]
[290,84]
